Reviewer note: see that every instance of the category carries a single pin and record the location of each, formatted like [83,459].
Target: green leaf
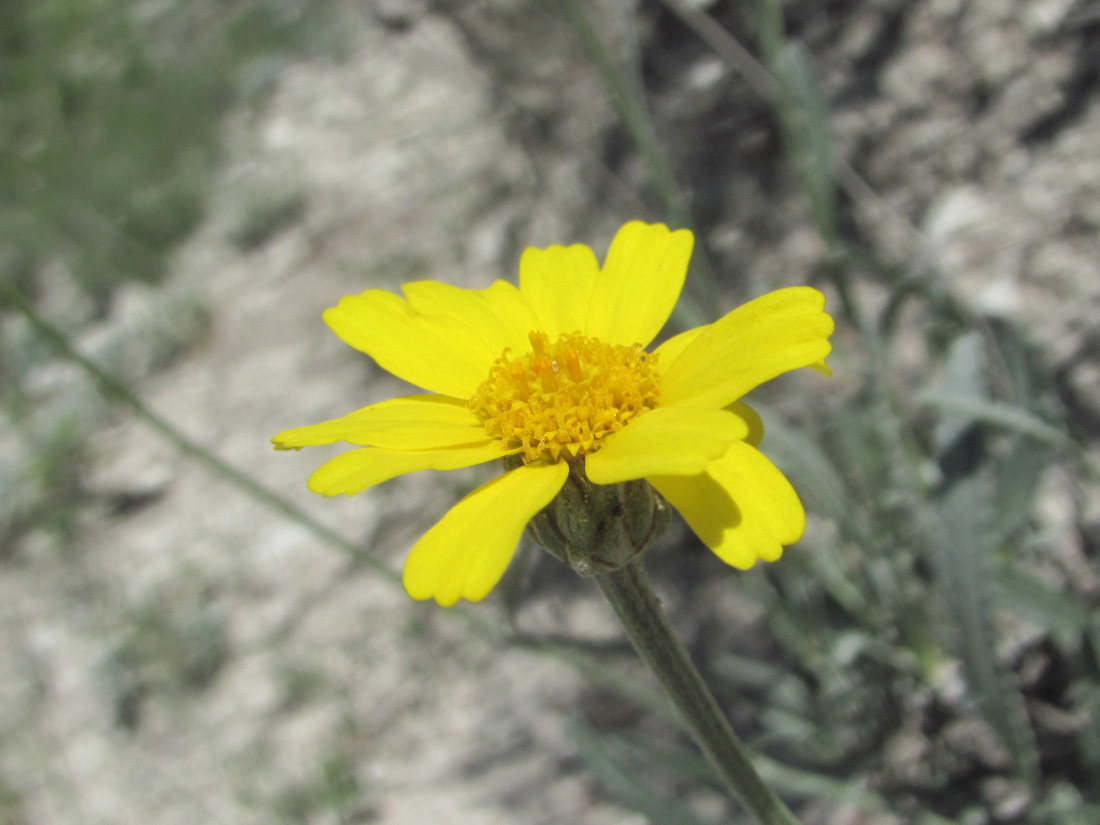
[806,784]
[1019,472]
[998,414]
[963,548]
[623,780]
[796,782]
[1027,596]
[821,487]
[1088,737]
[964,378]
[805,117]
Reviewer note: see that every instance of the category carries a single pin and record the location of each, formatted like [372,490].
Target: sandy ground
[195,658]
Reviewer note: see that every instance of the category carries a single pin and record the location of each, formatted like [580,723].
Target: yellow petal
[499,315]
[674,347]
[355,471]
[746,543]
[761,491]
[639,284]
[752,420]
[664,441]
[415,422]
[777,332]
[466,553]
[704,504]
[743,508]
[435,352]
[557,282]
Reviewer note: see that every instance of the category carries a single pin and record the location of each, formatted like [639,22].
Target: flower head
[558,373]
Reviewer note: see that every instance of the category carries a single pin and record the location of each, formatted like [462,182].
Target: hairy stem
[639,610]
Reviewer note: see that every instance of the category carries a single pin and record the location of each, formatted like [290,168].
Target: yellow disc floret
[563,397]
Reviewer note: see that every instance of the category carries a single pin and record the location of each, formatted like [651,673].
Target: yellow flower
[557,373]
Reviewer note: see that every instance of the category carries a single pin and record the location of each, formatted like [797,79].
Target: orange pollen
[562,398]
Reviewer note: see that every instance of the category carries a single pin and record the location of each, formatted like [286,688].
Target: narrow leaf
[1019,472]
[1036,601]
[999,414]
[623,781]
[789,781]
[805,117]
[963,549]
[963,378]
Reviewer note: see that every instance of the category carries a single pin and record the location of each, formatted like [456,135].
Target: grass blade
[698,303]
[805,118]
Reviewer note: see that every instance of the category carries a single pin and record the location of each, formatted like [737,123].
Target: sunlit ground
[190,635]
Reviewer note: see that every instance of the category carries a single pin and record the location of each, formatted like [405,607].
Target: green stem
[696,306]
[114,389]
[639,610]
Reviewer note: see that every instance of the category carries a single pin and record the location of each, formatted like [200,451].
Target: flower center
[564,397]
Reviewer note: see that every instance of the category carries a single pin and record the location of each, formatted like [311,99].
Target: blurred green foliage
[111,119]
[163,651]
[111,116]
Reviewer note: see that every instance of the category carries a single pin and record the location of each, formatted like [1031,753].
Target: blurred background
[187,635]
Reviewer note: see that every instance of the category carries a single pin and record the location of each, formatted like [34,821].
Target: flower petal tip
[639,283]
[418,592]
[771,553]
[464,555]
